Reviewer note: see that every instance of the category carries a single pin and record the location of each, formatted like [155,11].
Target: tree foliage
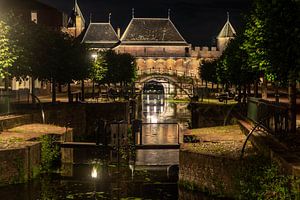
[98,69]
[8,49]
[208,71]
[121,68]
[272,39]
[233,65]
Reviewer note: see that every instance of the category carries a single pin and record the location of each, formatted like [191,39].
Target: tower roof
[227,30]
[100,35]
[145,31]
[75,12]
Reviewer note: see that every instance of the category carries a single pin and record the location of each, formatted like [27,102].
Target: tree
[272,44]
[127,66]
[98,69]
[208,71]
[121,68]
[8,50]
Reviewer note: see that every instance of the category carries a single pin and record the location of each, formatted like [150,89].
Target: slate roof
[143,31]
[227,30]
[100,35]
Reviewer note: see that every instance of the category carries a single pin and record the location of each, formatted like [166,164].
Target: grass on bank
[220,141]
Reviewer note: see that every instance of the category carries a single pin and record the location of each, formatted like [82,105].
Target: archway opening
[153,87]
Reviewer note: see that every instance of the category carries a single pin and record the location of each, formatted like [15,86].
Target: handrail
[259,124]
[228,113]
[41,107]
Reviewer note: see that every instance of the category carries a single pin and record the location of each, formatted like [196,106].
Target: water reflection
[160,127]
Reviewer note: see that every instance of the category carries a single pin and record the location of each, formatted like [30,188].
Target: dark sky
[199,21]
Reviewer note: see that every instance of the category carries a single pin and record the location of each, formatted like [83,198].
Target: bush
[50,154]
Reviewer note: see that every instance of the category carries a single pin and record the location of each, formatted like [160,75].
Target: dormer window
[34,16]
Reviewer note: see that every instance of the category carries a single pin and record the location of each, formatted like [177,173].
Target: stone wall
[209,115]
[81,117]
[20,164]
[174,66]
[208,173]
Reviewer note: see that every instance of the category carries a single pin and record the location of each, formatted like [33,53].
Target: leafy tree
[8,50]
[121,68]
[272,44]
[128,70]
[208,71]
[98,69]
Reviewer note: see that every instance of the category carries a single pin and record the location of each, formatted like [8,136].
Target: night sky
[199,21]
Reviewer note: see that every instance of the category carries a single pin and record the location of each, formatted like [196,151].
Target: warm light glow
[153,119]
[94,173]
[94,55]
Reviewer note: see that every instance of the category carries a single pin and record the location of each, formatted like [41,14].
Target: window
[34,16]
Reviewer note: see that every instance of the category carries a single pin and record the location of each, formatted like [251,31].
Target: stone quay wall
[20,164]
[209,173]
[80,117]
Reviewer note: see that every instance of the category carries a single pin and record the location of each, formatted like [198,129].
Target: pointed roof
[144,31]
[75,12]
[227,30]
[100,35]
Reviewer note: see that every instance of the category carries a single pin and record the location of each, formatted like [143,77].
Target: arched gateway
[172,85]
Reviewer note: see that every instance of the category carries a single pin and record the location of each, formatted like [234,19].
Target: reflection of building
[157,45]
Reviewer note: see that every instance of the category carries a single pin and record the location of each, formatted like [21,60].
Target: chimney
[119,33]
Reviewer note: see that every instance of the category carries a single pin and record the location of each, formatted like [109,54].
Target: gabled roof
[76,11]
[152,30]
[227,30]
[100,35]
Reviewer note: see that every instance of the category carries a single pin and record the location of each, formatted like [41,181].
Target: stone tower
[227,33]
[76,23]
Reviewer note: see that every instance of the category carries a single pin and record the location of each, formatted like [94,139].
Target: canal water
[153,174]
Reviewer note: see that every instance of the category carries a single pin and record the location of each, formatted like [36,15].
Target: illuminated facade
[158,46]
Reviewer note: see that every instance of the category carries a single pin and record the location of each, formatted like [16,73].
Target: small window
[145,50]
[34,16]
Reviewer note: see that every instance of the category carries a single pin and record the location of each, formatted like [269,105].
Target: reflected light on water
[153,118]
[94,173]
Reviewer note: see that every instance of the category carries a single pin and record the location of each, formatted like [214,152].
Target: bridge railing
[184,73]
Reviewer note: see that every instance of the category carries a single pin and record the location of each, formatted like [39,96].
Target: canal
[94,174]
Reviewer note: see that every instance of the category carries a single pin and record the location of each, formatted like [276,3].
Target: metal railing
[277,120]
